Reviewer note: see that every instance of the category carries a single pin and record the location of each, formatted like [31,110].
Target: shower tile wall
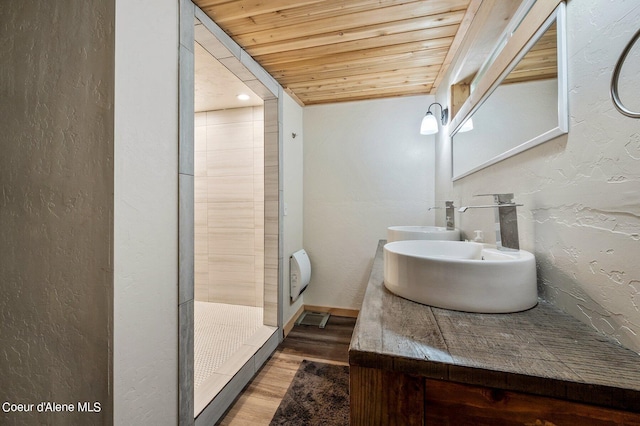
[229,206]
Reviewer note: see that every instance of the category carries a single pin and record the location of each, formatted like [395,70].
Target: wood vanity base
[381,397]
[412,364]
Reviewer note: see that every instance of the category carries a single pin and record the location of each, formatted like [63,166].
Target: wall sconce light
[429,125]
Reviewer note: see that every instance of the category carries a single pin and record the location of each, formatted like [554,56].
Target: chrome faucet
[506,221]
[450,212]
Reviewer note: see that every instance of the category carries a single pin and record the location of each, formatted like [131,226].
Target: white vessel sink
[401,233]
[463,276]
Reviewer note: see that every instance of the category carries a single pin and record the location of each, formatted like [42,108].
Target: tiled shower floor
[219,331]
[225,338]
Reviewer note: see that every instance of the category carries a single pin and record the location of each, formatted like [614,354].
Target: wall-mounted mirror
[526,106]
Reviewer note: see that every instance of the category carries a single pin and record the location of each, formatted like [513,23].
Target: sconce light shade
[467,126]
[429,125]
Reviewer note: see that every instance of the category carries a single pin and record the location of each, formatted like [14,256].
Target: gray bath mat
[317,396]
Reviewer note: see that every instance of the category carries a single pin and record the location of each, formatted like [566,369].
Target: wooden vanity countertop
[542,351]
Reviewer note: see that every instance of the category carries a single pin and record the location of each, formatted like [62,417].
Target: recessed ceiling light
[243,97]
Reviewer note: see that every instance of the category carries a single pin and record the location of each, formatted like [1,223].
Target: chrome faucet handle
[506,220]
[499,198]
[448,204]
[489,206]
[450,214]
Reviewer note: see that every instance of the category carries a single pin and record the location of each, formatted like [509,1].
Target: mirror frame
[558,16]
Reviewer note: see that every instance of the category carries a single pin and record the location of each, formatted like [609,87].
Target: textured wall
[581,191]
[56,208]
[366,167]
[145,333]
[229,206]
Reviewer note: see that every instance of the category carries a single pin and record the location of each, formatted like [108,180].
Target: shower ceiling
[216,87]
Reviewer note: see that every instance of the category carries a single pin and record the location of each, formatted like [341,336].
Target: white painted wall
[292,187]
[366,167]
[145,360]
[581,191]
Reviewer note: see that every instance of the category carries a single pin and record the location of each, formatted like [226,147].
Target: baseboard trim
[339,312]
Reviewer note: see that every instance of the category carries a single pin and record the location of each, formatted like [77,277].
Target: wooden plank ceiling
[324,51]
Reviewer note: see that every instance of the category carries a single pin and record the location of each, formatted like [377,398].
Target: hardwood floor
[260,399]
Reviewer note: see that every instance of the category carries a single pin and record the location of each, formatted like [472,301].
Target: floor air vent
[318,319]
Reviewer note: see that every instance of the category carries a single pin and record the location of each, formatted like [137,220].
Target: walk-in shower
[229,327]
[228,240]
